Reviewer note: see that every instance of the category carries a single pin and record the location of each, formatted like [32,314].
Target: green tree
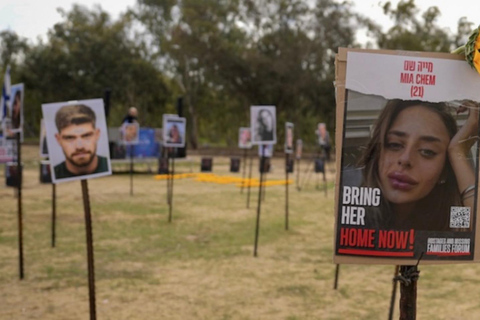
[87,53]
[419,34]
[244,52]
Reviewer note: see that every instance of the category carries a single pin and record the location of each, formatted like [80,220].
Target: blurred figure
[132,116]
[324,139]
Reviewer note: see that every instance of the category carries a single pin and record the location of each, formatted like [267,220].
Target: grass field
[200,266]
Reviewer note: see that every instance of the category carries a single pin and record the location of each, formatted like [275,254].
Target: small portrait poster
[408,168]
[298,149]
[77,139]
[174,129]
[13,120]
[288,137]
[43,140]
[263,122]
[129,133]
[245,138]
[323,135]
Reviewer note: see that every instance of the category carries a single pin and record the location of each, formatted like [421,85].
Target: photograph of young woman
[422,164]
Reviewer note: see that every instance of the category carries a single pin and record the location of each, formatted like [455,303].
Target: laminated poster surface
[407,158]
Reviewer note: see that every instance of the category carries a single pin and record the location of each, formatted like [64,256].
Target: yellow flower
[476,53]
[472,50]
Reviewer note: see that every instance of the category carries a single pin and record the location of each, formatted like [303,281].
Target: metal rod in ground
[249,180]
[286,190]
[257,226]
[244,168]
[394,293]
[90,260]
[168,177]
[337,272]
[408,292]
[131,170]
[264,188]
[298,174]
[325,178]
[171,189]
[54,213]
[20,213]
[307,174]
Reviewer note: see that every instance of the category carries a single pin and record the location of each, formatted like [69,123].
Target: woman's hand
[468,133]
[459,151]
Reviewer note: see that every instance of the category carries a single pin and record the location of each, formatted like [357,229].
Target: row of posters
[77,138]
[407,150]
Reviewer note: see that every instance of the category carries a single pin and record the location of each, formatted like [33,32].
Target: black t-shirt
[61,170]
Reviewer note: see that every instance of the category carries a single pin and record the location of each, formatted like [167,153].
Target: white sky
[33,18]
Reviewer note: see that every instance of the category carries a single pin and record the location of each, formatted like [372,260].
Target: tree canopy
[221,55]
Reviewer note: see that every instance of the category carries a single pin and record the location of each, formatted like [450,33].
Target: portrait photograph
[174,130]
[298,149]
[245,138]
[77,139]
[263,122]
[409,158]
[129,133]
[13,121]
[289,137]
[323,135]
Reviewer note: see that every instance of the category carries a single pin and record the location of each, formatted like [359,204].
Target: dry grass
[201,266]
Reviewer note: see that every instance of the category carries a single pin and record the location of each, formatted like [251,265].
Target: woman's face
[266,119]
[413,156]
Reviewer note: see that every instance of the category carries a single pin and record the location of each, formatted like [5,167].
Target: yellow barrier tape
[213,178]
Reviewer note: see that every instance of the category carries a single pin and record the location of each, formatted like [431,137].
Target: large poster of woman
[409,160]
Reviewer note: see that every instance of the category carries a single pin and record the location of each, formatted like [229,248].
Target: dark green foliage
[221,56]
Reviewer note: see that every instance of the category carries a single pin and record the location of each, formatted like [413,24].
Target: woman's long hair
[431,212]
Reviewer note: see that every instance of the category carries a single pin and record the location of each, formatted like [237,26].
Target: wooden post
[168,177]
[264,188]
[54,213]
[337,272]
[257,226]
[286,189]
[90,260]
[408,292]
[171,188]
[394,293]
[325,175]
[298,174]
[19,203]
[249,180]
[131,169]
[244,168]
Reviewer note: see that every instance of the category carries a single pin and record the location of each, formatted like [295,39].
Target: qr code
[459,217]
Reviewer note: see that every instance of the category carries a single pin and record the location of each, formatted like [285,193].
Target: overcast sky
[33,18]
